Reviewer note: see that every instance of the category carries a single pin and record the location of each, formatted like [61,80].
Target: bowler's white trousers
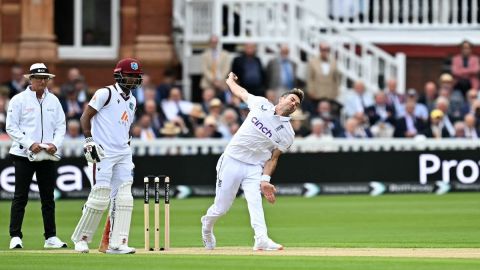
[232,173]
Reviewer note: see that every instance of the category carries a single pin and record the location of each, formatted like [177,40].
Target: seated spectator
[420,110]
[459,129]
[456,98]
[332,123]
[207,95]
[297,119]
[170,130]
[17,82]
[215,108]
[175,106]
[471,128]
[436,128]
[409,125]
[147,132]
[381,111]
[430,94]
[353,130]
[382,130]
[71,106]
[73,130]
[211,125]
[443,105]
[472,97]
[317,126]
[393,97]
[228,118]
[466,68]
[357,100]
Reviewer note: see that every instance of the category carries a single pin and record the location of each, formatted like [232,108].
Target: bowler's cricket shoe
[122,249]
[81,246]
[16,242]
[208,237]
[54,242]
[267,244]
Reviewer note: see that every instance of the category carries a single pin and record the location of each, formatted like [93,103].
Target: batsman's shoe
[81,246]
[267,244]
[209,241]
[54,242]
[16,242]
[122,249]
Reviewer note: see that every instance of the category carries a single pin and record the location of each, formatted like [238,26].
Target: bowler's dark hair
[298,92]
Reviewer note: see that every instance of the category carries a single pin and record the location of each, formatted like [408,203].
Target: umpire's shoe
[16,242]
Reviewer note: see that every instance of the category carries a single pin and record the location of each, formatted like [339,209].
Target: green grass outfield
[391,221]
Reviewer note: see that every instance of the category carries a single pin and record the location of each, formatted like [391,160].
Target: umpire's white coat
[30,121]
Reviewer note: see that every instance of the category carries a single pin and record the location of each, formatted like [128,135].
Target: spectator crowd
[447,106]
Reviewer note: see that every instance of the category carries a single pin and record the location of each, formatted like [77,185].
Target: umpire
[36,125]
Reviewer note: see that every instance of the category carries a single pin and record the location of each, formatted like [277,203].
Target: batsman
[106,124]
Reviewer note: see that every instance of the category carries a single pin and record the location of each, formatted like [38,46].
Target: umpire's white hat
[38,69]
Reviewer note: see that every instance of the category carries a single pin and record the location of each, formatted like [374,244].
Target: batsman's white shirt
[111,124]
[261,133]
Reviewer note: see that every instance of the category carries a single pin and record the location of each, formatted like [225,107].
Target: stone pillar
[153,42]
[9,29]
[37,39]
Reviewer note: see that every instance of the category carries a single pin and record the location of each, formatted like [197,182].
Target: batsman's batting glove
[93,152]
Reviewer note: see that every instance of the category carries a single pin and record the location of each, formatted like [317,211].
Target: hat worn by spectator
[436,114]
[412,92]
[170,129]
[39,69]
[197,111]
[210,121]
[445,77]
[215,102]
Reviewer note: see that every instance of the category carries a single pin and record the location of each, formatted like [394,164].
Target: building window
[87,29]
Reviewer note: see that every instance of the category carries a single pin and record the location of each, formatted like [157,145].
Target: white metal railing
[272,22]
[404,14]
[74,148]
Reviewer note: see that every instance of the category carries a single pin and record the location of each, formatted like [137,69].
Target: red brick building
[89,34]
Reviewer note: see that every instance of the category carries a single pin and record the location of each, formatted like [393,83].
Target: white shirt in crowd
[111,124]
[30,120]
[261,133]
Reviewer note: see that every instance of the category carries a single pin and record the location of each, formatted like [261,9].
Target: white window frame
[77,51]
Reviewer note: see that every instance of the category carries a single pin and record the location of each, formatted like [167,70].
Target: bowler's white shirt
[111,124]
[261,133]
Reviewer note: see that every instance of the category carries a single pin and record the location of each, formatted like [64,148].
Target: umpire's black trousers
[46,176]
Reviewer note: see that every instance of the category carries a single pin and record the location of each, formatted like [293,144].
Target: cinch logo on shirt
[261,127]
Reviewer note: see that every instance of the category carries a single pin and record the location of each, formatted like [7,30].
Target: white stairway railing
[270,23]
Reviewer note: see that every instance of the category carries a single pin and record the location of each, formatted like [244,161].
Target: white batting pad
[121,216]
[92,213]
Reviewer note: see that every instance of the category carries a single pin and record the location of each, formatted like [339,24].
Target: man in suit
[380,111]
[249,70]
[215,67]
[409,125]
[323,79]
[281,72]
